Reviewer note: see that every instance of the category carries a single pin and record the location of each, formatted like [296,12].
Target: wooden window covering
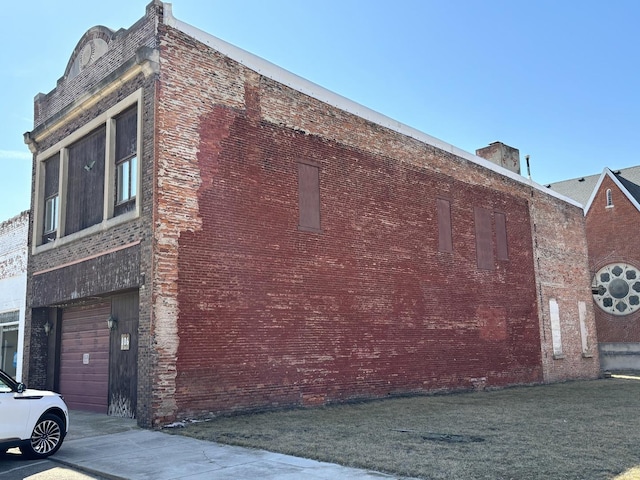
[85,192]
[502,249]
[445,238]
[309,197]
[484,246]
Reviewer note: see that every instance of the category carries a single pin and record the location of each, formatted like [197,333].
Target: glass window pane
[51,214]
[134,176]
[123,182]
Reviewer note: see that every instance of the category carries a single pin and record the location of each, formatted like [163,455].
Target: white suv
[34,420]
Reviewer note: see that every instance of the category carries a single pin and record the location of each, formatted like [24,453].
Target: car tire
[46,438]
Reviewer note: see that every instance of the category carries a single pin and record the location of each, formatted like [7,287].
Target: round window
[616,288]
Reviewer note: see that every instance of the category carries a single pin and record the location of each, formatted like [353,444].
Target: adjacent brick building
[211,233]
[612,209]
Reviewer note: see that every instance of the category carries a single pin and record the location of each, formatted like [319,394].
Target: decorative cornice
[145,62]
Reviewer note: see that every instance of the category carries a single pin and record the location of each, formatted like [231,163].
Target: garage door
[84,358]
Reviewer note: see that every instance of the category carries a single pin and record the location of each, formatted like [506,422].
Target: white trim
[280,75]
[608,173]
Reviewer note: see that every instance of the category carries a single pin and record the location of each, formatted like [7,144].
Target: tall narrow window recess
[484,245]
[309,197]
[502,249]
[51,202]
[445,237]
[609,198]
[126,158]
[556,330]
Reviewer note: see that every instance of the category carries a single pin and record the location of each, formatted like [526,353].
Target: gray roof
[580,189]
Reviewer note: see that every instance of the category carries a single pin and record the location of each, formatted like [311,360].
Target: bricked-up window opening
[85,180]
[584,337]
[51,188]
[484,245]
[126,160]
[502,249]
[309,197]
[445,238]
[609,198]
[556,336]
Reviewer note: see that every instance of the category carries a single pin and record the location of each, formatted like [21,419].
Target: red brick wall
[562,274]
[250,312]
[260,314]
[611,232]
[271,315]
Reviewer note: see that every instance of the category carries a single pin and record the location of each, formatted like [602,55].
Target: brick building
[612,209]
[13,285]
[211,233]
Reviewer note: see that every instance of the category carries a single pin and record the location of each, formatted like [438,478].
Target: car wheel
[46,437]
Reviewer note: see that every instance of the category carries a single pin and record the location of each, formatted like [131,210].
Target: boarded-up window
[309,197]
[501,236]
[445,240]
[484,247]
[85,191]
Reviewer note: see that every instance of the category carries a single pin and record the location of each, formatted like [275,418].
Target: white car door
[14,413]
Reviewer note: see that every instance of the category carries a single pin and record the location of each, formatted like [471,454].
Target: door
[123,371]
[84,357]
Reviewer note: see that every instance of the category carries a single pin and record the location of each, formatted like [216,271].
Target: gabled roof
[583,189]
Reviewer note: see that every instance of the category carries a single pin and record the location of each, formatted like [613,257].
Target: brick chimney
[501,154]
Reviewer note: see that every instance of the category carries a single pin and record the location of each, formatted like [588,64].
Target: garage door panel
[84,359]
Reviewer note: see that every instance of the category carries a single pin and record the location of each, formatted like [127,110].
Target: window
[609,198]
[445,239]
[51,184]
[51,215]
[85,182]
[616,288]
[126,160]
[126,180]
[91,177]
[309,197]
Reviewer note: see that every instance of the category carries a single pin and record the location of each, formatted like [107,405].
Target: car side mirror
[21,388]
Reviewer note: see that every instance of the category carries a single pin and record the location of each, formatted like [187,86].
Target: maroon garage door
[84,359]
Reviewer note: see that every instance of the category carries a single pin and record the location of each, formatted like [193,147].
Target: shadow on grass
[574,430]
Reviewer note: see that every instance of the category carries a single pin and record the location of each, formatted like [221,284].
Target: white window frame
[130,190]
[51,214]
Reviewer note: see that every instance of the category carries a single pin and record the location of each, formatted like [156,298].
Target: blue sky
[556,79]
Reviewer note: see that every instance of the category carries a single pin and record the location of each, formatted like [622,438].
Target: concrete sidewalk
[116,448]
